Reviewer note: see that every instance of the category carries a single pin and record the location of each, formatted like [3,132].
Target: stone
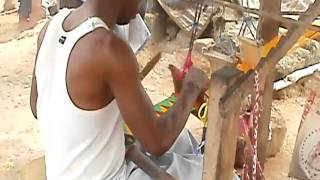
[152,6]
[279,129]
[204,44]
[306,55]
[172,30]
[156,23]
[314,48]
[295,60]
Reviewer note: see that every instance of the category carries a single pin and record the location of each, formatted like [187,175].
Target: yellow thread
[203,113]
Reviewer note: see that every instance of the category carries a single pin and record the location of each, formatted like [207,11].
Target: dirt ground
[19,136]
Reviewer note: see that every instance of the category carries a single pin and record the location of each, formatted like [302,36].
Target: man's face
[129,11]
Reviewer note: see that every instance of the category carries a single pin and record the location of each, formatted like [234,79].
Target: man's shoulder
[106,46]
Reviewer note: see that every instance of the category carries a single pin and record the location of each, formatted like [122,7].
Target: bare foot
[25,23]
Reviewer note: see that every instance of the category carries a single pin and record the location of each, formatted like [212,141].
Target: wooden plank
[182,13]
[150,65]
[222,130]
[268,28]
[143,162]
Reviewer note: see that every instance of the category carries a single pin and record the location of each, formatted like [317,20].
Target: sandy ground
[19,136]
[277,167]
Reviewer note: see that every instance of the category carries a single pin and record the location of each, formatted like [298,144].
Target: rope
[252,130]
[203,116]
[256,117]
[203,113]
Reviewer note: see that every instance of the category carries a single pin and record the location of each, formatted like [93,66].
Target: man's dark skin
[102,68]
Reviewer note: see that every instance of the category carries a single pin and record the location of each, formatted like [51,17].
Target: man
[84,78]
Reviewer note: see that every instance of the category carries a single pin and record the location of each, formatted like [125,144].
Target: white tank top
[79,144]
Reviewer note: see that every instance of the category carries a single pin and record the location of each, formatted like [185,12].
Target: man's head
[128,10]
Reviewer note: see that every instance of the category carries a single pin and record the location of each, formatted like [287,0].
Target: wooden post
[222,130]
[267,30]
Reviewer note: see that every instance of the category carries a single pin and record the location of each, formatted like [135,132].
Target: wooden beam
[240,88]
[268,28]
[285,21]
[222,130]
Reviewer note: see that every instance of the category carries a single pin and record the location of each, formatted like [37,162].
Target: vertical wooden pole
[222,130]
[267,30]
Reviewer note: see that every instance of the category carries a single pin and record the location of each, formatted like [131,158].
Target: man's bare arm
[34,91]
[122,76]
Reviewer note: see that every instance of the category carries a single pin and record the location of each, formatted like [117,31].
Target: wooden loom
[230,86]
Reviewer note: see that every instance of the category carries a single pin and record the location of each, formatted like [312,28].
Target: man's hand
[195,76]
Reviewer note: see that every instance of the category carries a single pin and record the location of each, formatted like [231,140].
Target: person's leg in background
[30,12]
[8,5]
[25,10]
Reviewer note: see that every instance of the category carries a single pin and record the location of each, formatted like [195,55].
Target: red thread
[186,67]
[307,107]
